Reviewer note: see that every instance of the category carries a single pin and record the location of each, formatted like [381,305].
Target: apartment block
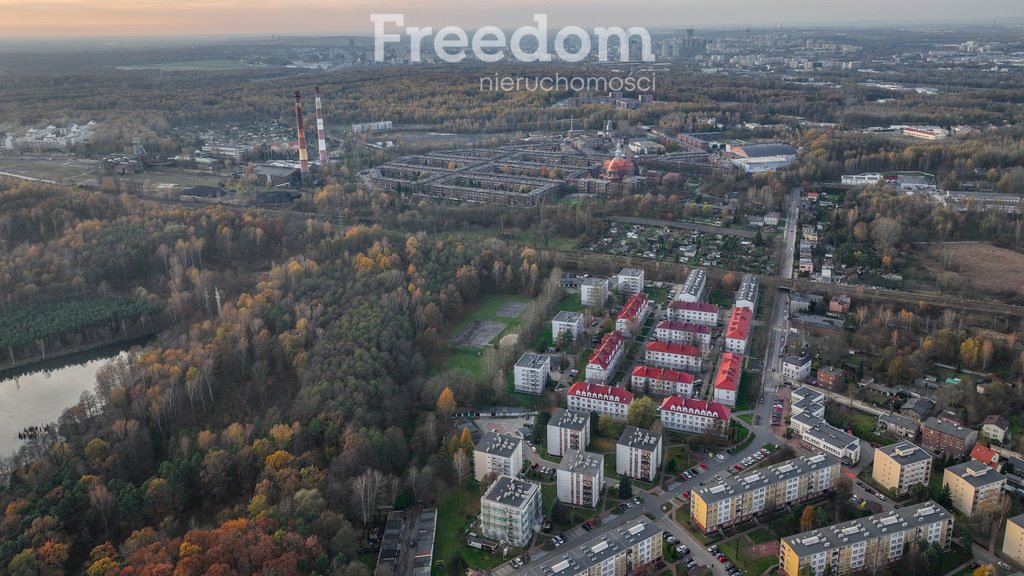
[609,400]
[695,416]
[723,503]
[568,430]
[693,312]
[683,333]
[694,286]
[531,373]
[746,296]
[939,436]
[631,280]
[737,332]
[633,547]
[638,454]
[499,454]
[973,485]
[818,434]
[662,381]
[566,322]
[674,356]
[633,314]
[901,466]
[1013,539]
[594,291]
[806,400]
[796,369]
[510,511]
[866,544]
[580,478]
[727,379]
[604,360]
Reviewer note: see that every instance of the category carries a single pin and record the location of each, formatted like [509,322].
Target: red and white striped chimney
[321,140]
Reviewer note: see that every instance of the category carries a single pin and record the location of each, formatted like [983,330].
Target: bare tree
[461,465]
[366,490]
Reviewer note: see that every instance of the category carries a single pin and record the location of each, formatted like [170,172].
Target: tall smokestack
[303,157]
[321,140]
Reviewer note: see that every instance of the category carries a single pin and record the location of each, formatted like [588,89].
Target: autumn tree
[642,412]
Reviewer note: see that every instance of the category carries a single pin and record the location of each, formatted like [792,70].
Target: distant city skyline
[84,18]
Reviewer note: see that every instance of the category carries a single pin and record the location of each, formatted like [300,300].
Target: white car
[720,456]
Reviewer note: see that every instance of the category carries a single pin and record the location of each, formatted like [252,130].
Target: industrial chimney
[321,140]
[303,157]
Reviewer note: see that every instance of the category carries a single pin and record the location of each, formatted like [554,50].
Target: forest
[260,436]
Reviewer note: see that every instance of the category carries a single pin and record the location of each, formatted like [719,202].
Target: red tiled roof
[729,370]
[632,308]
[601,392]
[698,306]
[694,406]
[985,455]
[683,326]
[606,349]
[739,324]
[666,374]
[673,348]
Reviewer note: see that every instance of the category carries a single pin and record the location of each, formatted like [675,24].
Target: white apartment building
[662,381]
[638,454]
[632,547]
[674,356]
[566,322]
[631,280]
[568,430]
[633,314]
[510,511]
[580,478]
[683,333]
[727,379]
[604,360]
[796,369]
[497,454]
[594,291]
[694,416]
[738,330]
[531,373]
[746,296]
[694,286]
[693,312]
[608,400]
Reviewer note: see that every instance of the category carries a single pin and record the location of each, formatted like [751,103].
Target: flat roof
[570,317]
[571,419]
[594,551]
[848,533]
[975,473]
[499,444]
[582,462]
[535,361]
[831,435]
[741,483]
[510,491]
[905,452]
[808,392]
[640,438]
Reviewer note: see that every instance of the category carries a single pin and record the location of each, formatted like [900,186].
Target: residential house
[631,280]
[996,428]
[746,296]
[633,314]
[694,286]
[986,456]
[832,378]
[917,408]
[839,304]
[727,379]
[662,381]
[693,312]
[674,356]
[738,330]
[796,369]
[605,358]
[566,323]
[897,425]
[638,454]
[952,440]
[683,333]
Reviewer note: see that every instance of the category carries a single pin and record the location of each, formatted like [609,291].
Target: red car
[686,494]
[703,466]
[738,467]
[722,558]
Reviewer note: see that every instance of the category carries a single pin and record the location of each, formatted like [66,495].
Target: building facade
[727,379]
[972,485]
[898,425]
[604,360]
[674,356]
[723,503]
[568,430]
[608,400]
[499,454]
[594,292]
[683,333]
[631,280]
[695,416]
[996,428]
[832,378]
[1013,539]
[796,369]
[865,544]
[634,547]
[694,286]
[580,478]
[693,312]
[633,314]
[738,330]
[746,296]
[901,466]
[638,454]
[662,381]
[511,511]
[939,436]
[531,373]
[566,322]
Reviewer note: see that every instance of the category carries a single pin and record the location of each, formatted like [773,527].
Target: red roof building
[727,380]
[738,330]
[633,314]
[694,416]
[662,381]
[605,359]
[683,332]
[693,312]
[610,400]
[674,356]
[986,456]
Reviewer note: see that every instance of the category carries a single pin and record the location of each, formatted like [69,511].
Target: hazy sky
[33,18]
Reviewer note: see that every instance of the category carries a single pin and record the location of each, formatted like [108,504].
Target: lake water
[39,394]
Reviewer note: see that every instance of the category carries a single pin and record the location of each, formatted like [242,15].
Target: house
[580,478]
[986,456]
[638,454]
[972,485]
[531,373]
[674,356]
[695,416]
[693,312]
[898,425]
[510,511]
[633,314]
[738,330]
[917,407]
[594,292]
[996,428]
[802,301]
[608,400]
[727,379]
[746,296]
[722,503]
[570,323]
[497,454]
[568,430]
[662,381]
[943,437]
[604,360]
[901,466]
[1013,539]
[631,280]
[796,369]
[694,286]
[832,378]
[839,304]
[683,333]
[855,546]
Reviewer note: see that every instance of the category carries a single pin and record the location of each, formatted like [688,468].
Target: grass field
[464,357]
[453,516]
[981,266]
[747,382]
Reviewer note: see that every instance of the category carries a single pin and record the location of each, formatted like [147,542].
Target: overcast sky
[34,18]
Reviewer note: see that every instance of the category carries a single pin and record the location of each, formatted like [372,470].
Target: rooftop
[748,288]
[683,326]
[499,444]
[633,306]
[764,150]
[809,393]
[595,551]
[865,529]
[797,360]
[831,435]
[594,281]
[631,272]
[1018,520]
[996,420]
[666,374]
[639,438]
[920,405]
[905,453]
[673,348]
[729,370]
[582,462]
[739,324]
[601,392]
[946,428]
[602,355]
[570,317]
[571,419]
[899,421]
[975,473]
[534,361]
[511,491]
[722,489]
[695,306]
[677,403]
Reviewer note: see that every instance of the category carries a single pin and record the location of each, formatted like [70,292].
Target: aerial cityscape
[466,290]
